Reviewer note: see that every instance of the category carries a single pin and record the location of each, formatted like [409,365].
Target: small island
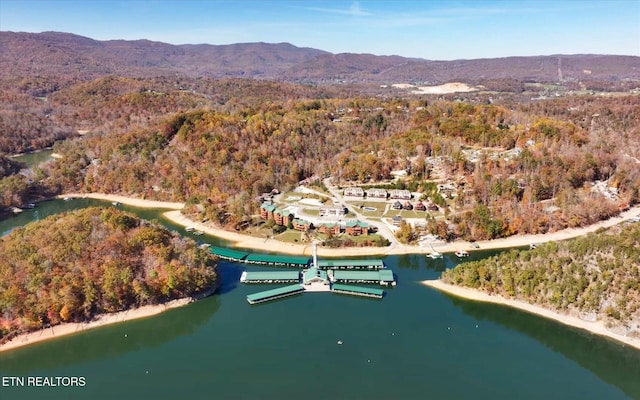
[78,266]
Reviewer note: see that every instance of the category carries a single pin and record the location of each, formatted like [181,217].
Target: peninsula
[94,266]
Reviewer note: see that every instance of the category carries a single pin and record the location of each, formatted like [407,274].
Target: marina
[313,278]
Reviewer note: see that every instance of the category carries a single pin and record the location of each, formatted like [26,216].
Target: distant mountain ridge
[66,54]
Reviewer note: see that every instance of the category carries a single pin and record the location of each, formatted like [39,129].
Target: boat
[115,203]
[339,342]
[462,253]
[67,198]
[29,206]
[532,246]
[198,233]
[434,254]
[189,229]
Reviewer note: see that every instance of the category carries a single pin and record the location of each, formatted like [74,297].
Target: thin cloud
[353,10]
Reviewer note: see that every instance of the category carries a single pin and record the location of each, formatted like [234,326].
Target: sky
[434,30]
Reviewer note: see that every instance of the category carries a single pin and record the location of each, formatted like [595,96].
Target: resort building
[266,211]
[353,192]
[301,225]
[375,193]
[333,211]
[356,228]
[407,206]
[282,217]
[420,206]
[400,194]
[329,228]
[397,206]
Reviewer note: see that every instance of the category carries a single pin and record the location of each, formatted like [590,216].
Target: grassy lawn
[311,211]
[290,236]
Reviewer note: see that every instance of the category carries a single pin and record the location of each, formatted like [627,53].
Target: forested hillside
[528,168]
[596,276]
[73,266]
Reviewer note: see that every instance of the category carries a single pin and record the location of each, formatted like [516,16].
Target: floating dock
[273,294]
[270,277]
[357,291]
[376,264]
[383,277]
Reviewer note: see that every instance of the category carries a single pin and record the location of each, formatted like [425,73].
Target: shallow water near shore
[416,343]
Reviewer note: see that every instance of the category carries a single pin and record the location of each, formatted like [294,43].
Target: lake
[416,343]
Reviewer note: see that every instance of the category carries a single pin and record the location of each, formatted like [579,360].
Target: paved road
[383,229]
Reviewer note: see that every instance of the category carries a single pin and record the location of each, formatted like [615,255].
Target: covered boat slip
[383,277]
[273,294]
[228,254]
[259,259]
[357,291]
[270,277]
[277,260]
[351,264]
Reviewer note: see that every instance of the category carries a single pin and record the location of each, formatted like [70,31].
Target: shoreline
[130,201]
[595,327]
[272,245]
[25,339]
[246,241]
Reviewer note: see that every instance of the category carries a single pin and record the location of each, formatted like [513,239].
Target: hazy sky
[437,30]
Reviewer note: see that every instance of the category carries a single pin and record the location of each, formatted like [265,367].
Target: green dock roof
[277,259]
[352,263]
[386,275]
[358,289]
[356,275]
[271,275]
[275,292]
[228,253]
[313,273]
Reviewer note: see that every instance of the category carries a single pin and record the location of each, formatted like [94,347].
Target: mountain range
[68,55]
